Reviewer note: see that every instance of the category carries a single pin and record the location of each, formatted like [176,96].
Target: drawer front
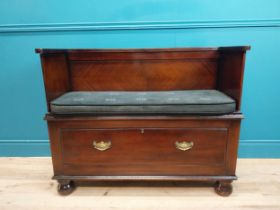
[144,151]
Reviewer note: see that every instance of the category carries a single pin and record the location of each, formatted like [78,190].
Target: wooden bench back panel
[144,75]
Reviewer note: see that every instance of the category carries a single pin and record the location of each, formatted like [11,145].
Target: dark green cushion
[139,102]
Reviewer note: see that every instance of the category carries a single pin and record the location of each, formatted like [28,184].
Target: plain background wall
[25,25]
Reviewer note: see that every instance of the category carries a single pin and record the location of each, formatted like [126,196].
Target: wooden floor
[25,183]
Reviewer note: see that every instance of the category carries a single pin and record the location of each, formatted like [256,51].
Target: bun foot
[223,188]
[65,187]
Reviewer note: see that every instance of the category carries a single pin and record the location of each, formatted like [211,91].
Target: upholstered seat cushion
[139,102]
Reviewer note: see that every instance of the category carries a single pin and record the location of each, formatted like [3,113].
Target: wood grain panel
[56,75]
[142,54]
[230,75]
[144,151]
[144,75]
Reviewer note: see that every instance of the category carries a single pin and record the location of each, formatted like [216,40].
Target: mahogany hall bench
[144,114]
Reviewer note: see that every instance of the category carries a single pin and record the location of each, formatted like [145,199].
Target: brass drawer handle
[184,145]
[102,145]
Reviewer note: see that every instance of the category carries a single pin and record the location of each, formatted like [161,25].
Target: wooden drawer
[150,151]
